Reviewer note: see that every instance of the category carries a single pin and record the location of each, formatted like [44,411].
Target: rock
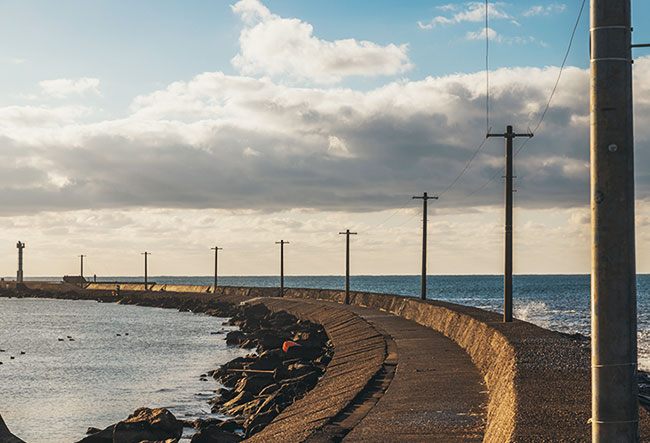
[6,436]
[98,435]
[214,434]
[235,337]
[232,425]
[253,384]
[258,422]
[147,424]
[270,389]
[243,397]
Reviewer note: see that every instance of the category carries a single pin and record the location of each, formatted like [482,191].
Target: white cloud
[480,35]
[544,10]
[472,12]
[276,46]
[63,87]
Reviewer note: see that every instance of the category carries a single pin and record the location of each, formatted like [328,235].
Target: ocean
[54,391]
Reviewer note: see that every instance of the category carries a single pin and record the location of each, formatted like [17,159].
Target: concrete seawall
[538,380]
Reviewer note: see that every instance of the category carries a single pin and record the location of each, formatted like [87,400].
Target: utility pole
[19,276]
[82,264]
[423,284]
[216,258]
[509,135]
[347,234]
[614,390]
[281,243]
[145,253]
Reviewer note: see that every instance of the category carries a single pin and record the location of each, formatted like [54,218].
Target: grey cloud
[402,139]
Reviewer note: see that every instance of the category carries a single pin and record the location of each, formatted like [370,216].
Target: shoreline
[243,396]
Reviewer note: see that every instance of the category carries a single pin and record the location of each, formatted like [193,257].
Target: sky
[171,127]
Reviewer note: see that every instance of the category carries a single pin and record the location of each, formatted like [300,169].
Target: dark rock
[254,384]
[257,422]
[243,397]
[148,424]
[232,425]
[99,436]
[6,436]
[214,434]
[270,389]
[235,337]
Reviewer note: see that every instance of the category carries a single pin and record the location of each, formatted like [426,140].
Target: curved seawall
[538,380]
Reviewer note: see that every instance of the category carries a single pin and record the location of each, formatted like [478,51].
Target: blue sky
[137,47]
[171,126]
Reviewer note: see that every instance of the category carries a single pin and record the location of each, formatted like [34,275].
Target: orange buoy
[288,344]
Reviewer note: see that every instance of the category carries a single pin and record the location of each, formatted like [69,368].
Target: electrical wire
[559,76]
[487,71]
[548,102]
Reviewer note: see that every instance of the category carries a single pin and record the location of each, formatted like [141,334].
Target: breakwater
[538,380]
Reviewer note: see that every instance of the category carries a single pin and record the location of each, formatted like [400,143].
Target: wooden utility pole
[509,135]
[82,264]
[146,285]
[216,258]
[423,284]
[281,243]
[347,234]
[614,401]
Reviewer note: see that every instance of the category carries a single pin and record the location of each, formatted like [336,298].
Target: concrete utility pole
[614,396]
[281,243]
[507,275]
[146,286]
[423,284]
[82,264]
[216,258]
[347,234]
[19,276]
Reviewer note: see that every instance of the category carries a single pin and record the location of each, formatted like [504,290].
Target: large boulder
[148,424]
[6,436]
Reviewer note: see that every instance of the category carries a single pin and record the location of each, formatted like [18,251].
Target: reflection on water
[91,364]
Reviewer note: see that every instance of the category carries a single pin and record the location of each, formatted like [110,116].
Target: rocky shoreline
[288,357]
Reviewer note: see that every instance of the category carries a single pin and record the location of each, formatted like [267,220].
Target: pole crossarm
[641,45]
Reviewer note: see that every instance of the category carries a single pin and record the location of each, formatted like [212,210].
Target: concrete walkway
[424,388]
[437,394]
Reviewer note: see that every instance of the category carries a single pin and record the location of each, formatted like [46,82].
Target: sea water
[92,364]
[557,302]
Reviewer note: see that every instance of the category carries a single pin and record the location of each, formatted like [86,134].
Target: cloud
[480,35]
[544,10]
[63,87]
[242,143]
[472,12]
[276,46]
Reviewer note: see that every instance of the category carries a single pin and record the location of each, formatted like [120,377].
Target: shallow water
[60,386]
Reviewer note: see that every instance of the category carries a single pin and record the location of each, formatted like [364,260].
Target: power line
[559,75]
[487,71]
[548,103]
